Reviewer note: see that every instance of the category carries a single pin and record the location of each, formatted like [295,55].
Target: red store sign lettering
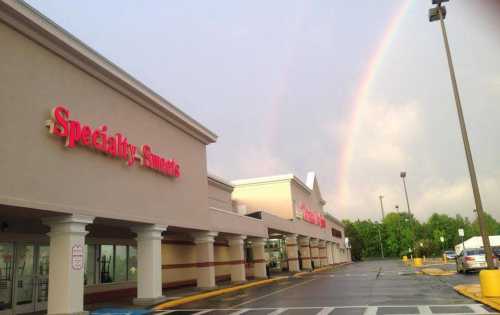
[116,145]
[312,217]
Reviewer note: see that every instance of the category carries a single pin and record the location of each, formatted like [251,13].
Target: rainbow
[359,101]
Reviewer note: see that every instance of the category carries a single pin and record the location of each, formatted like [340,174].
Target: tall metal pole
[406,195]
[382,206]
[468,153]
[380,240]
[413,232]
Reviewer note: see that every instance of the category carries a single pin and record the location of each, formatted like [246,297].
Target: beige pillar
[329,252]
[315,253]
[322,253]
[205,266]
[305,252]
[336,253]
[67,241]
[149,272]
[259,258]
[292,253]
[237,257]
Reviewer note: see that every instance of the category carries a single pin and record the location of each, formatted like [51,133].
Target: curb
[473,291]
[206,295]
[437,272]
[209,294]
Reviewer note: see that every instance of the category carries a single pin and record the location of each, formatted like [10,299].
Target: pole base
[490,283]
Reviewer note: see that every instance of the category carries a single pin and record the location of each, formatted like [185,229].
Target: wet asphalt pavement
[374,287]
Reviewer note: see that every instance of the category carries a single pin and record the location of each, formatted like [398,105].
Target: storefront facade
[104,183]
[105,191]
[304,236]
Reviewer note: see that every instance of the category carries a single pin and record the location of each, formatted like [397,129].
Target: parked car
[450,254]
[471,259]
[496,252]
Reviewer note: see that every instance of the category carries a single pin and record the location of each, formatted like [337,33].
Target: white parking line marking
[240,311]
[424,309]
[326,311]
[278,311]
[477,308]
[370,310]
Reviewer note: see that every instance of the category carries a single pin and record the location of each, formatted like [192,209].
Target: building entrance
[24,272]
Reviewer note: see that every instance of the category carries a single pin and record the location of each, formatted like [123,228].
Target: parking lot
[374,287]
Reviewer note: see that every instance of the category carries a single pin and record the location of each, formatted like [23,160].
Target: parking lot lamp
[438,13]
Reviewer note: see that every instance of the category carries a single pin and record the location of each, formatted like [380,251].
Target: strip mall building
[105,192]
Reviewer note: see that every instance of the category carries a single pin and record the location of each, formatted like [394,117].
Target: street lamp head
[402,174]
[434,13]
[438,2]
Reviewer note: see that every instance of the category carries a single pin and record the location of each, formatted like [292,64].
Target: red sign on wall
[312,217]
[116,145]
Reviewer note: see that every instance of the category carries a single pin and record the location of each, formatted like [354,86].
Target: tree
[355,240]
[492,226]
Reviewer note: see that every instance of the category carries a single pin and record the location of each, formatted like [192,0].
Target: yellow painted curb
[473,291]
[437,272]
[205,295]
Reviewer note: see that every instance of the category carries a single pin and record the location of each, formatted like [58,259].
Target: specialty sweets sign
[116,145]
[311,216]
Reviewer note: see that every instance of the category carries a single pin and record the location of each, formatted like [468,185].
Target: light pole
[403,176]
[382,206]
[438,13]
[380,240]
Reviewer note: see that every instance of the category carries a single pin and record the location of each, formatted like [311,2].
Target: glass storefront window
[114,263]
[132,263]
[107,263]
[90,264]
[120,263]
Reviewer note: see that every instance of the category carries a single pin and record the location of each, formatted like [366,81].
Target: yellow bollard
[417,262]
[405,260]
[490,283]
[445,259]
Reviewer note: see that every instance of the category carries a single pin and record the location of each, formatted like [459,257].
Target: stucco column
[237,256]
[305,252]
[336,257]
[205,266]
[292,253]
[315,252]
[329,252]
[67,241]
[259,258]
[149,273]
[322,253]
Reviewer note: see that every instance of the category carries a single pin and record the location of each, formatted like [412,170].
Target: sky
[356,91]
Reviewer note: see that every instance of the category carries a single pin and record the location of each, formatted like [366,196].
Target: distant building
[477,242]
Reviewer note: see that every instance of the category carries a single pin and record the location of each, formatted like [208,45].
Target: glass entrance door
[24,278]
[42,278]
[6,275]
